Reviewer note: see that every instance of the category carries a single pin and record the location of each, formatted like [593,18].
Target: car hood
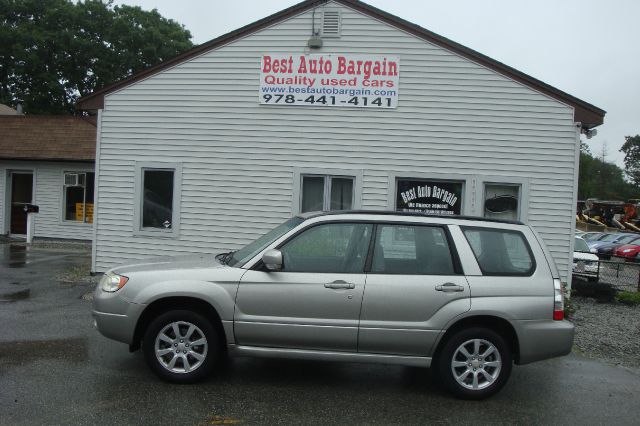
[170,263]
[598,244]
[628,246]
[579,255]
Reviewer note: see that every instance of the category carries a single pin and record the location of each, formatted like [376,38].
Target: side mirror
[272,259]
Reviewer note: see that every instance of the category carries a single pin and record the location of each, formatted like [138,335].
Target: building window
[439,197]
[157,198]
[324,193]
[158,195]
[501,201]
[78,196]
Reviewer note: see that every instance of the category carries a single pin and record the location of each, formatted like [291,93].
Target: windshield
[250,250]
[591,237]
[627,239]
[610,237]
[580,245]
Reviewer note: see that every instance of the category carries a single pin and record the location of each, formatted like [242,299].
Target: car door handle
[339,284]
[449,287]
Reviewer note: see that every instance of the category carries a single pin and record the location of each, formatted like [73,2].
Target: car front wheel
[181,346]
[475,363]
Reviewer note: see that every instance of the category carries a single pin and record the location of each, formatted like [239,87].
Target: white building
[47,161]
[209,150]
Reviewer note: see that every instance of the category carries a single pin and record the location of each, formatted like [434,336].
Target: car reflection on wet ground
[56,369]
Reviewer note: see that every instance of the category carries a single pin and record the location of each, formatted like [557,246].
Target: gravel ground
[49,243]
[609,331]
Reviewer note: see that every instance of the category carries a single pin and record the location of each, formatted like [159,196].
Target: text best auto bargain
[361,81]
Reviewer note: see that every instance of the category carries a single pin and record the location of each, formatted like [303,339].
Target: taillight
[558,300]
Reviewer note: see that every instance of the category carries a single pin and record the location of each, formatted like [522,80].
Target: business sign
[362,81]
[427,196]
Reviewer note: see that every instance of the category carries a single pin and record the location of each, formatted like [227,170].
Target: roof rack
[411,214]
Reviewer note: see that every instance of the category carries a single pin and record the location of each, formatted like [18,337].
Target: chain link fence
[619,273]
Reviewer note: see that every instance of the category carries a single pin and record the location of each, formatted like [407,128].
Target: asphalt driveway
[56,369]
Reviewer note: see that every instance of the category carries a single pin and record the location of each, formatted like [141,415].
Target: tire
[474,376]
[169,348]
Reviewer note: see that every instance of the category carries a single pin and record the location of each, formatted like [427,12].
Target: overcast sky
[588,48]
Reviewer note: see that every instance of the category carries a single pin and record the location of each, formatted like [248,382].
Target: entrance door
[21,194]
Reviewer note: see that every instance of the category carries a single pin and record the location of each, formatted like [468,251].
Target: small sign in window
[429,196]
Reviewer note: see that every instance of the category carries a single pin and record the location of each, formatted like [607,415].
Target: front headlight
[627,250]
[111,282]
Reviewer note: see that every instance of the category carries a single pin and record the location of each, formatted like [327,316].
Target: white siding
[3,198]
[454,116]
[48,196]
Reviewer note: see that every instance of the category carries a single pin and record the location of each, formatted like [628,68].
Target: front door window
[329,248]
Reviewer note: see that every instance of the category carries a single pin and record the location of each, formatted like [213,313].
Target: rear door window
[500,251]
[411,250]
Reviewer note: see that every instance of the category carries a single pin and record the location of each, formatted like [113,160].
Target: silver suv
[468,296]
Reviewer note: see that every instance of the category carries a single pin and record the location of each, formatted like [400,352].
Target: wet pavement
[56,369]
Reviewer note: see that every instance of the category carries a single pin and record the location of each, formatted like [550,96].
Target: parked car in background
[605,239]
[585,263]
[605,251]
[628,251]
[592,236]
[467,296]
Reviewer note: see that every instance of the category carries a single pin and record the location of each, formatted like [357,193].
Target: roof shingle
[45,137]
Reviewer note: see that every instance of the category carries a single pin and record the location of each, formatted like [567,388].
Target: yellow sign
[80,212]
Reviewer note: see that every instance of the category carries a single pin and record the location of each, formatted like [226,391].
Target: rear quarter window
[500,252]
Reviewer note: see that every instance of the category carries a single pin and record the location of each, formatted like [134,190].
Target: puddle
[74,350]
[15,256]
[15,296]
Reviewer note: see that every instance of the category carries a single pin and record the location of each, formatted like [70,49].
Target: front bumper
[544,339]
[115,317]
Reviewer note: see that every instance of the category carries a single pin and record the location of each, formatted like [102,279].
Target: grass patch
[628,298]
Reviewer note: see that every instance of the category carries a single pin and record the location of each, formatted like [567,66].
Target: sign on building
[429,196]
[362,81]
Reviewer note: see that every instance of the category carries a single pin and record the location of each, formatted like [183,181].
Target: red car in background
[627,251]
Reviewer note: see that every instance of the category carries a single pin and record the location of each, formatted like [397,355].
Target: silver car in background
[468,297]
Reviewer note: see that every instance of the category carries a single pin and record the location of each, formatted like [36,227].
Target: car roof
[310,215]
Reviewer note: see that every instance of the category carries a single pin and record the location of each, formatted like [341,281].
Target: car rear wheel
[181,346]
[474,363]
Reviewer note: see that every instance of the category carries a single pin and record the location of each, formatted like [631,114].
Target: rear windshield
[500,252]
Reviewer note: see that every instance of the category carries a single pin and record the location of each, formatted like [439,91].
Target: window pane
[411,250]
[312,194]
[78,204]
[500,252]
[501,201]
[157,204]
[341,193]
[74,208]
[90,183]
[330,248]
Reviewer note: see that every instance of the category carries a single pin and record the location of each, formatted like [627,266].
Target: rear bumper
[544,339]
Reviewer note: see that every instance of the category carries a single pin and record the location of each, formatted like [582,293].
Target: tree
[631,149]
[52,52]
[602,180]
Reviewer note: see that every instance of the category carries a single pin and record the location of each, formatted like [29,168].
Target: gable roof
[586,113]
[47,138]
